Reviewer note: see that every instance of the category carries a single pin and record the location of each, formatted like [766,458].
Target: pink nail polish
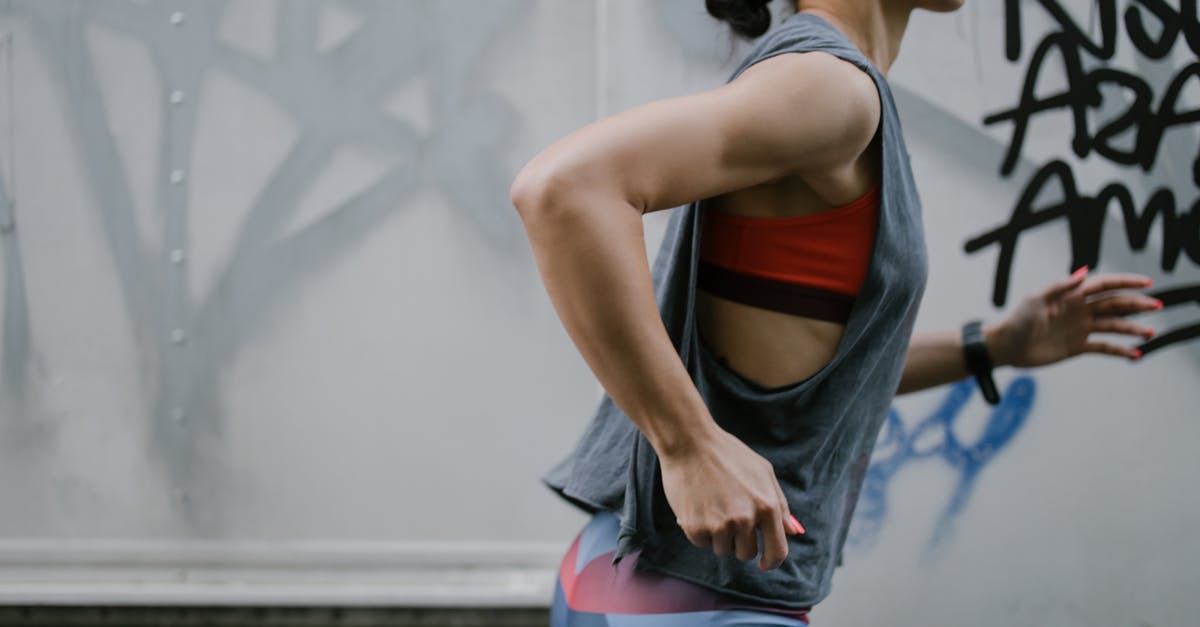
[1137,354]
[1083,270]
[796,524]
[1159,304]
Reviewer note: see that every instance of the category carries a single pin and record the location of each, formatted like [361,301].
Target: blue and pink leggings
[591,592]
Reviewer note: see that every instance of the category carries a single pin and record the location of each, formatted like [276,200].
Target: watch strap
[979,363]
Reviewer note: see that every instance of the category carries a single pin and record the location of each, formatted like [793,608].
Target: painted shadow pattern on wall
[334,90]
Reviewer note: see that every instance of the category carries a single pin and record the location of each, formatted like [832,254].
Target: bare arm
[582,200]
[936,358]
[1048,326]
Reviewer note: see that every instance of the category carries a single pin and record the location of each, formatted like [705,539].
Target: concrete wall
[272,332]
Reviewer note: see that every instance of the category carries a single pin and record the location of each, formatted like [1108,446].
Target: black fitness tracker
[979,363]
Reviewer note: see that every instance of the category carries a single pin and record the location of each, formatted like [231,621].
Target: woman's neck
[875,27]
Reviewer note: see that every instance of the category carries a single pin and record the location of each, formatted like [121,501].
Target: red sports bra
[810,265]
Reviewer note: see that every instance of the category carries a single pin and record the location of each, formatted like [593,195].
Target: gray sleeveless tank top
[818,433]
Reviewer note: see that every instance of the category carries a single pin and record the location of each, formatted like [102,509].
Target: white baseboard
[293,573]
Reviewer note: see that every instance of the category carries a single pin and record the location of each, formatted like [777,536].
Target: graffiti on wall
[1132,130]
[1128,130]
[935,437]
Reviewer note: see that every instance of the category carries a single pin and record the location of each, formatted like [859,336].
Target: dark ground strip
[209,616]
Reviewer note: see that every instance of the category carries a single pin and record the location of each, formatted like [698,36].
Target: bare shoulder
[795,73]
[833,102]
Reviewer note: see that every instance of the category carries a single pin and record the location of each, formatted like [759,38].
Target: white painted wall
[370,374]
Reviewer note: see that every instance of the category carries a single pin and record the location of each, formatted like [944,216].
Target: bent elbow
[536,191]
[526,192]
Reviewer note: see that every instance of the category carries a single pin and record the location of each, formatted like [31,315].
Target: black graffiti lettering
[1025,217]
[1104,49]
[1012,30]
[1175,296]
[1085,91]
[1139,109]
[1168,117]
[1178,295]
[1155,49]
[1154,28]
[1085,218]
[1030,104]
[1174,336]
[1184,234]
[1170,24]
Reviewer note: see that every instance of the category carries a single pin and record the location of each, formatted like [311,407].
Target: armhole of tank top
[797,389]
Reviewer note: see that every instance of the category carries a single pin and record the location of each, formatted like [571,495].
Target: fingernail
[1137,354]
[1080,272]
[1158,304]
[1150,331]
[796,524]
[1149,282]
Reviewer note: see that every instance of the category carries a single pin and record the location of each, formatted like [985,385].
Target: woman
[740,409]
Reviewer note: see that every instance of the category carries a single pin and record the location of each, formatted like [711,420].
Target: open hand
[1055,323]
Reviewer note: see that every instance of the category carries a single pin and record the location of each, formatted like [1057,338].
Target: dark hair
[747,18]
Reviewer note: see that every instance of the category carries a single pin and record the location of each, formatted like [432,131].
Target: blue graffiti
[897,447]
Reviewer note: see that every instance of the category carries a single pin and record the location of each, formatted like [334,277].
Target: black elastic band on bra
[801,300]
